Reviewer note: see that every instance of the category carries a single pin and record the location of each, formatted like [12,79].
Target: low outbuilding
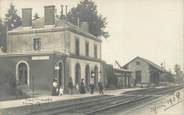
[144,72]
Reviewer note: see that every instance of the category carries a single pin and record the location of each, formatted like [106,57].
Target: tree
[179,73]
[12,19]
[3,33]
[86,11]
[177,69]
[1,26]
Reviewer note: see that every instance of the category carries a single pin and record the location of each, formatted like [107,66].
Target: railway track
[107,105]
[78,105]
[124,106]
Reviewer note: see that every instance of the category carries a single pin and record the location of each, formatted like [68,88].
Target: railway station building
[116,78]
[49,48]
[144,71]
[123,77]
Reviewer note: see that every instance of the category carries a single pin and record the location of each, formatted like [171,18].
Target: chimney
[49,13]
[27,17]
[78,22]
[62,10]
[66,10]
[85,26]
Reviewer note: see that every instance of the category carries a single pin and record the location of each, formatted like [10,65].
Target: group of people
[80,88]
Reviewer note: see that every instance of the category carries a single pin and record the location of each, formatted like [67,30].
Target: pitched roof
[38,24]
[149,62]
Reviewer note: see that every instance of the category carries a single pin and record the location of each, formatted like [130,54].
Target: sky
[152,29]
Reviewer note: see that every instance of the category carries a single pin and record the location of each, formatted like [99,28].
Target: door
[60,74]
[22,74]
[138,77]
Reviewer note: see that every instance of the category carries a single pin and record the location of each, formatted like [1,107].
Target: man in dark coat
[92,84]
[100,86]
[70,85]
[82,87]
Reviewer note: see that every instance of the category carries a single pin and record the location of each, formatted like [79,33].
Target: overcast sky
[151,29]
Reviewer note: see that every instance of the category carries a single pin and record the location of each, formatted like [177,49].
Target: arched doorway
[22,73]
[96,76]
[87,75]
[60,74]
[77,74]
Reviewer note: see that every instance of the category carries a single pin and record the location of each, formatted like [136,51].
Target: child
[60,91]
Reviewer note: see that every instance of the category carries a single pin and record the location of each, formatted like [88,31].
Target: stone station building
[49,48]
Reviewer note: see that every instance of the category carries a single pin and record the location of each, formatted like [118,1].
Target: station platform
[47,99]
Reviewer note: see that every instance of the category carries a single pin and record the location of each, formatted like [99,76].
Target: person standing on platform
[82,87]
[92,84]
[54,87]
[70,85]
[100,87]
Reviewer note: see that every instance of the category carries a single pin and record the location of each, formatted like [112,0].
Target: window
[60,74]
[87,49]
[95,51]
[96,76]
[77,49]
[37,44]
[77,74]
[87,75]
[138,63]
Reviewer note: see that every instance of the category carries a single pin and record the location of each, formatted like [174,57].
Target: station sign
[56,67]
[40,57]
